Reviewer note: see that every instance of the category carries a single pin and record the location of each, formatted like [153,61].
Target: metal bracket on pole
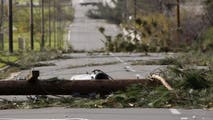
[33,77]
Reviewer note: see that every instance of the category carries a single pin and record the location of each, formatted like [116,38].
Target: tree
[209,10]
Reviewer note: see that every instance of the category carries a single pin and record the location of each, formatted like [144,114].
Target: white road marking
[28,119]
[193,117]
[184,118]
[119,59]
[127,66]
[175,111]
[44,119]
[77,119]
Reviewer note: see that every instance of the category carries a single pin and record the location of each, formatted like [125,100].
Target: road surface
[117,65]
[107,114]
[83,32]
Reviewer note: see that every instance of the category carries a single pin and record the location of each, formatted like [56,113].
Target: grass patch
[7,59]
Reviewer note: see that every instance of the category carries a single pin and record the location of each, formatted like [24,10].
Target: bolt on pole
[10,23]
[31,26]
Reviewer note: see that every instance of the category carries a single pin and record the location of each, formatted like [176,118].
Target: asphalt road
[83,32]
[117,65]
[107,114]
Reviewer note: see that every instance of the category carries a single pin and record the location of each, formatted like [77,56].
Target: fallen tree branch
[163,81]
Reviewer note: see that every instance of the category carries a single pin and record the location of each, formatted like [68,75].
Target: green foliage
[7,59]
[166,61]
[191,78]
[196,58]
[154,31]
[206,40]
[209,9]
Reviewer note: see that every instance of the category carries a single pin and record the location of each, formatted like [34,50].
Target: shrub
[206,40]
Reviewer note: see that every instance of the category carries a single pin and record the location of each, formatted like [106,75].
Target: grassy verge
[189,59]
[28,60]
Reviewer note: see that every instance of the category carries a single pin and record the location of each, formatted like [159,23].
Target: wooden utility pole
[126,9]
[42,25]
[49,21]
[31,26]
[135,9]
[2,14]
[178,22]
[10,23]
[2,26]
[54,22]
[178,14]
[135,17]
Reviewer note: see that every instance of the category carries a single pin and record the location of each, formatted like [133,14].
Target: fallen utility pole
[66,87]
[33,86]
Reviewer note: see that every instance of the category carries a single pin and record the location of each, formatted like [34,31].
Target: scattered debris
[95,75]
[163,81]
